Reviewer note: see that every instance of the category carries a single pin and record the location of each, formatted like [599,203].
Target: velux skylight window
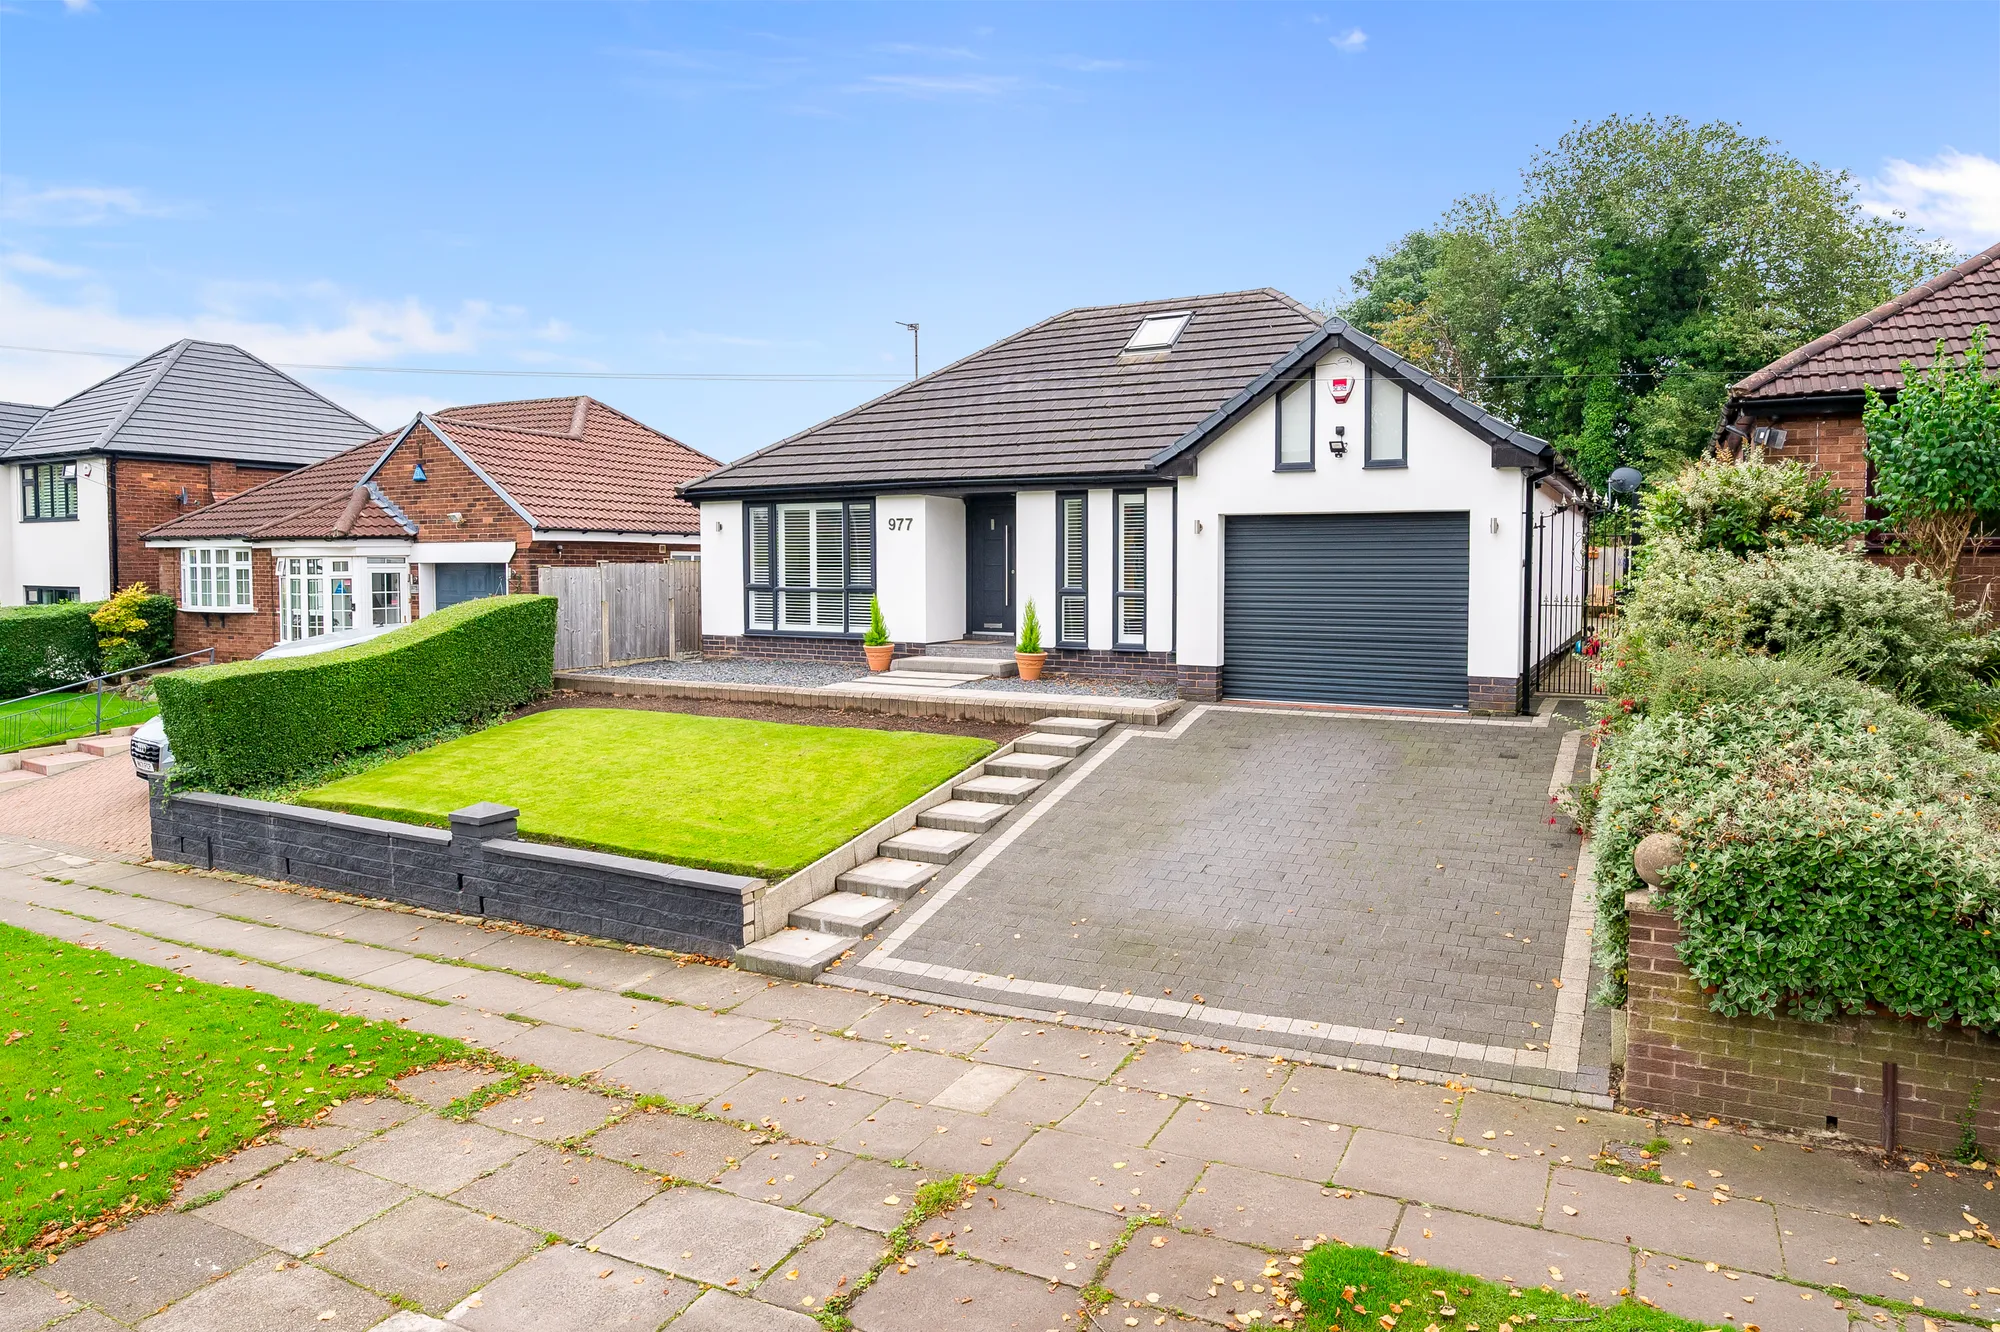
[1157,332]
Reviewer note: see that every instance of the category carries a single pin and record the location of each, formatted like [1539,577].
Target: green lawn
[54,718]
[114,1075]
[743,797]
[1363,1290]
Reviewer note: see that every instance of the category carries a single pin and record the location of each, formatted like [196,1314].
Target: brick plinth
[1493,694]
[1095,664]
[1682,1057]
[1198,684]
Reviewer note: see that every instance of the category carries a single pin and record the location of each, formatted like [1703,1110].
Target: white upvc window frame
[202,590]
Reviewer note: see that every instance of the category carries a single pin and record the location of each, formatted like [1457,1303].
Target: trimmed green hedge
[43,647]
[250,722]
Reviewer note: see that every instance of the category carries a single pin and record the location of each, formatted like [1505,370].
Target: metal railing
[80,708]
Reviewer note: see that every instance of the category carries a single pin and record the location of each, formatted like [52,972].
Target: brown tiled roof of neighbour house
[613,475]
[1870,350]
[1062,402]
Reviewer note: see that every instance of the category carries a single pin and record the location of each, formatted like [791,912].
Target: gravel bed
[1102,688]
[728,670]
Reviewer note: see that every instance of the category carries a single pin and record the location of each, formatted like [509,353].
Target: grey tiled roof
[1053,401]
[196,400]
[1059,402]
[15,418]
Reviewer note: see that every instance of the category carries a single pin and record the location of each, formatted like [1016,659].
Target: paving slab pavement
[789,1117]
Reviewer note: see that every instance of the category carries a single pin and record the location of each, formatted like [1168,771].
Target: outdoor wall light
[1337,446]
[1197,527]
[417,472]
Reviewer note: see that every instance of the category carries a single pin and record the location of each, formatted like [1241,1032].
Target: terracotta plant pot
[1030,664]
[879,657]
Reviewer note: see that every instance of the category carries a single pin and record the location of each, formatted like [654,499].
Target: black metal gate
[1581,559]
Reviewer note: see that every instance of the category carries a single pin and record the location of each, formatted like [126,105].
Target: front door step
[972,816]
[935,845]
[798,955]
[958,665]
[1089,726]
[1052,742]
[997,790]
[1026,765]
[886,876]
[850,914]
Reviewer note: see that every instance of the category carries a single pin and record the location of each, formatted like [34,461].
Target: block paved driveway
[1397,882]
[99,806]
[794,1124]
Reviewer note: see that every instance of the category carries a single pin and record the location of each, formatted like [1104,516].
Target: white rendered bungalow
[1227,493]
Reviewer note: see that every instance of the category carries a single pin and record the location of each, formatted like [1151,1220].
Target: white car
[153,754]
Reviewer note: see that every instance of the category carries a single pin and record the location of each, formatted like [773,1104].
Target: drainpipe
[1531,480]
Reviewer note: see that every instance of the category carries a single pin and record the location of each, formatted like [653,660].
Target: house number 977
[902,524]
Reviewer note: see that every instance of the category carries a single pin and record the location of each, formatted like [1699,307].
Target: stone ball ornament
[1655,855]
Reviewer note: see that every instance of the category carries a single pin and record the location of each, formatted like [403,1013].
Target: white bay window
[215,578]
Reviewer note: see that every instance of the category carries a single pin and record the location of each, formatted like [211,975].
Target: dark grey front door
[989,561]
[1346,608]
[463,582]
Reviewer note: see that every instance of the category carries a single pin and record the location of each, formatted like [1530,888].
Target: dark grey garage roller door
[1346,608]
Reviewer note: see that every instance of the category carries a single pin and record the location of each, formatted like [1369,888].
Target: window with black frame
[1295,426]
[1072,597]
[810,566]
[1388,422]
[48,492]
[1129,588]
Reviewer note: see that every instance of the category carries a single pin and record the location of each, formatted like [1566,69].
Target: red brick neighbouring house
[1814,394]
[460,503]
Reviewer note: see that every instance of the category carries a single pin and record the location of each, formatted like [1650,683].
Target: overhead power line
[789,378]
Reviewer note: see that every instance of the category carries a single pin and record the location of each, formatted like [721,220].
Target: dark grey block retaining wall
[479,868]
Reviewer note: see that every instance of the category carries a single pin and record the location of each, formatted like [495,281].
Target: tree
[1644,267]
[1936,452]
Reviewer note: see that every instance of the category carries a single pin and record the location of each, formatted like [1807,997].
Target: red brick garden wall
[1681,1057]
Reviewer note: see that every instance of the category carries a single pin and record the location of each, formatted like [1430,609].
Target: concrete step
[851,914]
[936,846]
[48,765]
[17,777]
[106,745]
[924,679]
[997,790]
[1042,766]
[957,665]
[798,955]
[1089,726]
[972,816]
[886,876]
[1051,742]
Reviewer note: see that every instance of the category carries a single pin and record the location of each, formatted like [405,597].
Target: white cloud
[79,6]
[311,324]
[938,85]
[76,205]
[1954,195]
[1352,42]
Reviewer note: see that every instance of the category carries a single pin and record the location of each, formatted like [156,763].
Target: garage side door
[1346,608]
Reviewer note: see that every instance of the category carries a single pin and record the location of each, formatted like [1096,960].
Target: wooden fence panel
[610,614]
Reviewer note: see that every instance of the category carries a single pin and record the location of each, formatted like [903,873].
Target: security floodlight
[1626,481]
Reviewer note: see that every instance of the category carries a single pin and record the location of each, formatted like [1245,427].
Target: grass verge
[1365,1290]
[747,797]
[114,1076]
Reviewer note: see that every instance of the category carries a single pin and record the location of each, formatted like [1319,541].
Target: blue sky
[764,190]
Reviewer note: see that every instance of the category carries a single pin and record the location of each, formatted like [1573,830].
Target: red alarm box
[1341,386]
